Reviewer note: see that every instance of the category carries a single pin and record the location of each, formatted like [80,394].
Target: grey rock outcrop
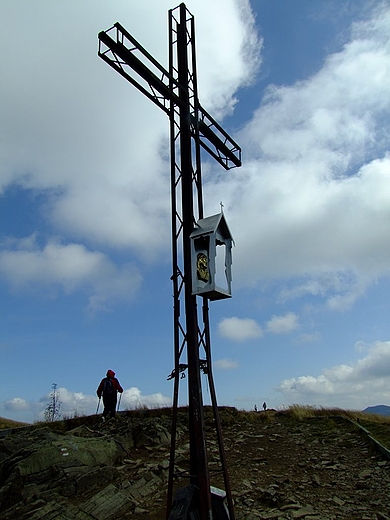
[82,474]
[279,469]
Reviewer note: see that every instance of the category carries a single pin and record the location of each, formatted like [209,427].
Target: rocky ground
[279,467]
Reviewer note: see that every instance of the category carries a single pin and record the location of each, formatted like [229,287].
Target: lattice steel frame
[191,128]
[186,176]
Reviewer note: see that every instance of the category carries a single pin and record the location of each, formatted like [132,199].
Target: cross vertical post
[199,476]
[183,175]
[191,128]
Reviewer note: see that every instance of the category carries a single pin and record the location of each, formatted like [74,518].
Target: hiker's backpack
[108,388]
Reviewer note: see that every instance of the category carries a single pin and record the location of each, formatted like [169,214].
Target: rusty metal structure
[191,128]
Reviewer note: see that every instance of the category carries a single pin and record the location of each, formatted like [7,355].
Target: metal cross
[191,128]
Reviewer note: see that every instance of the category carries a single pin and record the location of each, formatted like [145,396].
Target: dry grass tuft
[5,424]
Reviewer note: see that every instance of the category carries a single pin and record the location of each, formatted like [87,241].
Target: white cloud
[70,267]
[16,404]
[316,171]
[225,364]
[132,398]
[71,403]
[283,324]
[354,386]
[316,177]
[78,404]
[309,337]
[81,404]
[376,364]
[231,57]
[239,329]
[83,135]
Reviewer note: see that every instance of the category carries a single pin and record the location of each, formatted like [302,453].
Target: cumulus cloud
[283,324]
[71,403]
[81,404]
[316,170]
[225,364]
[357,385]
[231,58]
[239,329]
[16,404]
[309,337]
[243,329]
[86,138]
[93,147]
[132,398]
[316,176]
[70,267]
[78,404]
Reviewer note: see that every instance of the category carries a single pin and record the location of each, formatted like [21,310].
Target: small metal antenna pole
[191,128]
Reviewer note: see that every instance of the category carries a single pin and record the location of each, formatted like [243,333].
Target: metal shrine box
[211,258]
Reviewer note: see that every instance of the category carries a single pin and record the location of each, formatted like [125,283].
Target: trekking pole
[119,402]
[97,409]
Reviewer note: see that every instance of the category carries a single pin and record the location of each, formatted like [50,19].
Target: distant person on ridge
[109,388]
[264,406]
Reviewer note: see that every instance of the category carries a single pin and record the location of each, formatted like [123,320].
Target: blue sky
[85,258]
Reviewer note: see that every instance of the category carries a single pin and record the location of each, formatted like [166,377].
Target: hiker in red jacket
[109,388]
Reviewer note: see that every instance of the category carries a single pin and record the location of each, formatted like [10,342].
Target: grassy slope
[377,425]
[7,423]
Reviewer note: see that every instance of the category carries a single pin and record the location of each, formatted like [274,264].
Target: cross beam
[123,53]
[191,128]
